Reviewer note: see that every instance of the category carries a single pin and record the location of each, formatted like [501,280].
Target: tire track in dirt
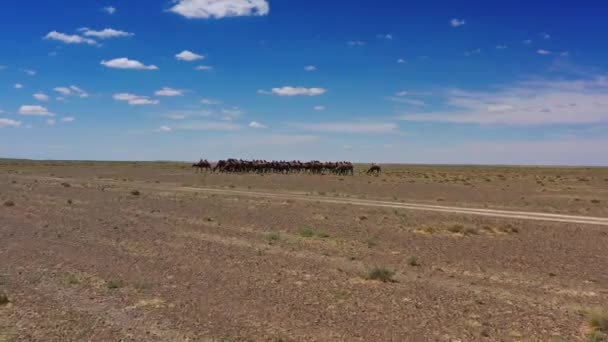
[508,214]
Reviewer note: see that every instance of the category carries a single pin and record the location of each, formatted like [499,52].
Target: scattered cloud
[71,91]
[231,113]
[294,91]
[543,52]
[109,9]
[386,36]
[348,127]
[208,126]
[204,9]
[163,129]
[255,124]
[189,56]
[457,22]
[169,92]
[530,103]
[565,54]
[69,38]
[176,116]
[210,102]
[472,52]
[50,122]
[3,67]
[41,97]
[204,68]
[319,108]
[411,93]
[105,33]
[501,47]
[125,63]
[9,123]
[68,119]
[527,41]
[29,72]
[310,68]
[34,110]
[18,86]
[356,43]
[411,102]
[135,100]
[544,35]
[401,61]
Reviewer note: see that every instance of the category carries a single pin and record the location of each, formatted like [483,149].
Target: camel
[374,170]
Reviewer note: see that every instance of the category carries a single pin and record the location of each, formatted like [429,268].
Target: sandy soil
[116,251]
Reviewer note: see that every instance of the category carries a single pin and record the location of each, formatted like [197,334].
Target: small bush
[4,299]
[135,193]
[272,237]
[372,243]
[457,228]
[9,204]
[323,235]
[382,274]
[598,320]
[70,202]
[413,261]
[73,280]
[307,232]
[114,284]
[66,185]
[595,201]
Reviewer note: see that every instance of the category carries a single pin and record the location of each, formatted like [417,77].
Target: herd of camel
[283,167]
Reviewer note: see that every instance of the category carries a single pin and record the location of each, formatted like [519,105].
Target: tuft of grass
[66,185]
[373,242]
[73,280]
[382,274]
[273,237]
[595,201]
[135,193]
[9,204]
[113,284]
[307,232]
[323,235]
[456,229]
[413,261]
[70,202]
[4,299]
[598,320]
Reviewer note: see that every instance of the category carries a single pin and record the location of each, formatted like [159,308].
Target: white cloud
[565,54]
[9,123]
[457,22]
[472,52]
[501,47]
[319,108]
[176,116]
[527,41]
[545,35]
[204,68]
[356,43]
[401,61]
[231,113]
[164,129]
[348,127]
[531,103]
[188,56]
[210,101]
[310,68]
[29,72]
[68,119]
[220,8]
[166,91]
[105,33]
[386,36]
[109,9]
[255,124]
[411,93]
[135,100]
[543,52]
[18,86]
[69,39]
[411,102]
[71,91]
[209,126]
[125,63]
[34,110]
[294,91]
[41,97]
[50,122]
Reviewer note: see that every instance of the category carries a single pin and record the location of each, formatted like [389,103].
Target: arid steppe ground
[93,251]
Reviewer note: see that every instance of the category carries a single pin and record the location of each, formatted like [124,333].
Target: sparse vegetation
[382,274]
[597,321]
[413,261]
[135,193]
[273,237]
[4,299]
[73,280]
[66,185]
[70,202]
[595,201]
[9,203]
[456,229]
[113,284]
[307,232]
[372,242]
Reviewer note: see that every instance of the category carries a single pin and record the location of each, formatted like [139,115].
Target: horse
[374,170]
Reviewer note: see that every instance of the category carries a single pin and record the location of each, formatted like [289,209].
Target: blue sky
[518,82]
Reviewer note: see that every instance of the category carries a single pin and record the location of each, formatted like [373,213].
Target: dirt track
[204,257]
